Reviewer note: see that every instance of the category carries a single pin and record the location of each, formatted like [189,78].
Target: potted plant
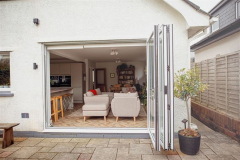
[186,85]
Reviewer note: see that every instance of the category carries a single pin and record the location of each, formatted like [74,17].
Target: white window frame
[214,23]
[6,89]
[237,9]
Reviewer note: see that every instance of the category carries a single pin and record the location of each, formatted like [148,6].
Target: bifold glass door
[160,87]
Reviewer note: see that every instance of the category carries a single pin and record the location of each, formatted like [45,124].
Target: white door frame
[46,88]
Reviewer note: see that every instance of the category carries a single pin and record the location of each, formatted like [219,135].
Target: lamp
[35,21]
[118,61]
[113,52]
[35,66]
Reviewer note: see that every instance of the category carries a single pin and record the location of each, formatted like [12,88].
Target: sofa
[96,106]
[125,105]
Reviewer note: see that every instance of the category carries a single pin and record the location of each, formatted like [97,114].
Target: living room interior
[98,87]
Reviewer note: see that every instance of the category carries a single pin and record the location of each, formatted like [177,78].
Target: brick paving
[214,146]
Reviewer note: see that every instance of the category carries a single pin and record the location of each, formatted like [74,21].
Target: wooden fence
[222,74]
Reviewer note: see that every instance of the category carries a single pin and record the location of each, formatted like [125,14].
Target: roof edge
[217,6]
[195,7]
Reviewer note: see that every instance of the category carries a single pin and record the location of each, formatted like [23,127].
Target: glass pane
[4,71]
[238,9]
[160,84]
[151,98]
[215,25]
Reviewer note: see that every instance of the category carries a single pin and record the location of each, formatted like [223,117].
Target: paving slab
[66,156]
[46,144]
[45,149]
[154,157]
[83,150]
[128,156]
[140,149]
[63,147]
[10,149]
[19,139]
[123,151]
[113,141]
[130,141]
[173,157]
[148,141]
[85,156]
[207,151]
[60,140]
[25,152]
[5,154]
[82,140]
[98,142]
[24,159]
[119,145]
[104,154]
[30,142]
[221,157]
[81,145]
[236,156]
[43,155]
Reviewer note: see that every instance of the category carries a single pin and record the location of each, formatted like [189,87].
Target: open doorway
[83,69]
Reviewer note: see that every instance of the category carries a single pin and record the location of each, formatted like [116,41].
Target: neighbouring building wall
[71,20]
[111,67]
[226,13]
[227,45]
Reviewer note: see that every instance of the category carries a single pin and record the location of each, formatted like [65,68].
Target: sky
[206,5]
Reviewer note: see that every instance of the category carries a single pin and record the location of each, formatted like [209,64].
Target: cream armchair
[125,105]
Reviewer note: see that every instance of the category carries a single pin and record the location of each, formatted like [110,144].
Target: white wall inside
[111,67]
[225,46]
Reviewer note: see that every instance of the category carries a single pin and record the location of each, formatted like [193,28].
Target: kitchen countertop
[60,89]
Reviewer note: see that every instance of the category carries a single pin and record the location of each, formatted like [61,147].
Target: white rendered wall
[225,46]
[71,20]
[111,67]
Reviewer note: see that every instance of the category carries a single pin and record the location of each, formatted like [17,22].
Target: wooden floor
[74,118]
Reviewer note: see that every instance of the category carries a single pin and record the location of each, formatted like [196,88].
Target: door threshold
[96,131]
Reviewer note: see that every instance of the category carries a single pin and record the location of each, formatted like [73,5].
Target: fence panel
[222,74]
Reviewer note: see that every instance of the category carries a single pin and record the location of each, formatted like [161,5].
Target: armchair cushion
[95,106]
[98,91]
[89,94]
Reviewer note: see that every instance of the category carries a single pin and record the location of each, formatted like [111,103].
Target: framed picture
[112,75]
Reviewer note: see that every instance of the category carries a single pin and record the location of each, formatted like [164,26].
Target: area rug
[78,113]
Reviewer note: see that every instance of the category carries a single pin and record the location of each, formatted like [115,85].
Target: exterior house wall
[225,46]
[71,20]
[226,13]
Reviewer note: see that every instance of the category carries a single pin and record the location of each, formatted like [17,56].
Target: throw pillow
[132,90]
[89,94]
[98,91]
[93,91]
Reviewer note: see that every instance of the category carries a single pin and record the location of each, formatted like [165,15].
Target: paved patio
[214,146]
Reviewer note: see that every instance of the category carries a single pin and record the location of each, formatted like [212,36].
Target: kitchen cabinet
[54,69]
[65,68]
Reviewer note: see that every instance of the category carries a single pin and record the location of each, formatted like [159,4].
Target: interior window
[4,70]
[215,25]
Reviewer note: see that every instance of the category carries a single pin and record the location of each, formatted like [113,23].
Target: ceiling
[101,54]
